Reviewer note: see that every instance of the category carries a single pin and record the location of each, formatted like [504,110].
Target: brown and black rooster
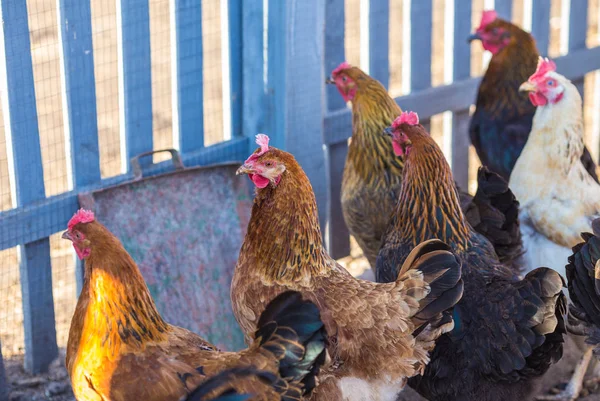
[507,331]
[379,334]
[373,175]
[121,349]
[503,116]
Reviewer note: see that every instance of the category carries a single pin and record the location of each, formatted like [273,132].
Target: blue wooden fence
[305,41]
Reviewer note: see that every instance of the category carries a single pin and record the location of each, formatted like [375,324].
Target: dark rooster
[503,116]
[373,174]
[507,331]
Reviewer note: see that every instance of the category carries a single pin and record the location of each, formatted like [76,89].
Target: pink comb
[343,66]
[262,140]
[487,17]
[81,216]
[407,117]
[544,66]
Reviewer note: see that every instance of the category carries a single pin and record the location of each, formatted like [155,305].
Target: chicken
[373,174]
[559,199]
[502,119]
[380,334]
[120,348]
[507,331]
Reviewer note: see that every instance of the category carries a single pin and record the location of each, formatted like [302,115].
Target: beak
[473,36]
[527,87]
[388,131]
[244,169]
[329,80]
[66,235]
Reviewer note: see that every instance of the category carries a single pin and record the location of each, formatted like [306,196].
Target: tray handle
[137,169]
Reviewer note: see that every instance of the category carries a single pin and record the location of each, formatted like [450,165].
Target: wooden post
[296,88]
[80,87]
[3,381]
[21,127]
[189,87]
[540,24]
[577,32]
[461,70]
[133,24]
[420,47]
[504,9]
[379,40]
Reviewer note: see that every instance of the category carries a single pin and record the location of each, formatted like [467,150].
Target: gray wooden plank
[379,38]
[297,115]
[334,48]
[420,44]
[3,381]
[540,24]
[504,9]
[338,238]
[23,136]
[577,32]
[460,148]
[458,96]
[253,105]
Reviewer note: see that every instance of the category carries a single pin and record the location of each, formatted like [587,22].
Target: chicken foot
[571,392]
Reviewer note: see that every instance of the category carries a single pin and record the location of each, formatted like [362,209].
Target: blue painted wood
[461,70]
[3,381]
[137,76]
[236,66]
[379,38]
[253,90]
[420,44]
[334,48]
[76,30]
[31,223]
[337,237]
[36,277]
[578,32]
[188,20]
[504,8]
[296,116]
[540,24]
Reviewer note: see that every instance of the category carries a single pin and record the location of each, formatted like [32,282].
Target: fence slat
[577,32]
[504,9]
[338,237]
[23,137]
[235,8]
[461,70]
[379,38]
[188,20]
[540,24]
[3,381]
[252,73]
[296,116]
[137,77]
[420,48]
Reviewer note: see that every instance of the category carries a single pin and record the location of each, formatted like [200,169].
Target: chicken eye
[268,164]
[344,78]
[550,82]
[77,235]
[495,30]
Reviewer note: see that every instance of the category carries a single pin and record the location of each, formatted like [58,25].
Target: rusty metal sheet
[184,229]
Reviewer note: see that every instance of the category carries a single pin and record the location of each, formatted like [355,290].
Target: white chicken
[559,199]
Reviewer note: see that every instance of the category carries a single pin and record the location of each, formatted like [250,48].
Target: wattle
[259,180]
[398,150]
[537,99]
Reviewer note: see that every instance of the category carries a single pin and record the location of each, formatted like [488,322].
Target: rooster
[120,348]
[373,174]
[559,199]
[380,334]
[507,331]
[502,119]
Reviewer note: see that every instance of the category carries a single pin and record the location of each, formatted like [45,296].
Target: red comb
[407,117]
[487,17]
[81,216]
[262,140]
[343,66]
[544,66]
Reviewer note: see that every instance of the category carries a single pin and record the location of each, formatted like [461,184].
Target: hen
[373,174]
[502,119]
[559,199]
[507,331]
[120,348]
[380,334]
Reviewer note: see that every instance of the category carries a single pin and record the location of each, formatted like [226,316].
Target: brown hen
[120,348]
[380,334]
